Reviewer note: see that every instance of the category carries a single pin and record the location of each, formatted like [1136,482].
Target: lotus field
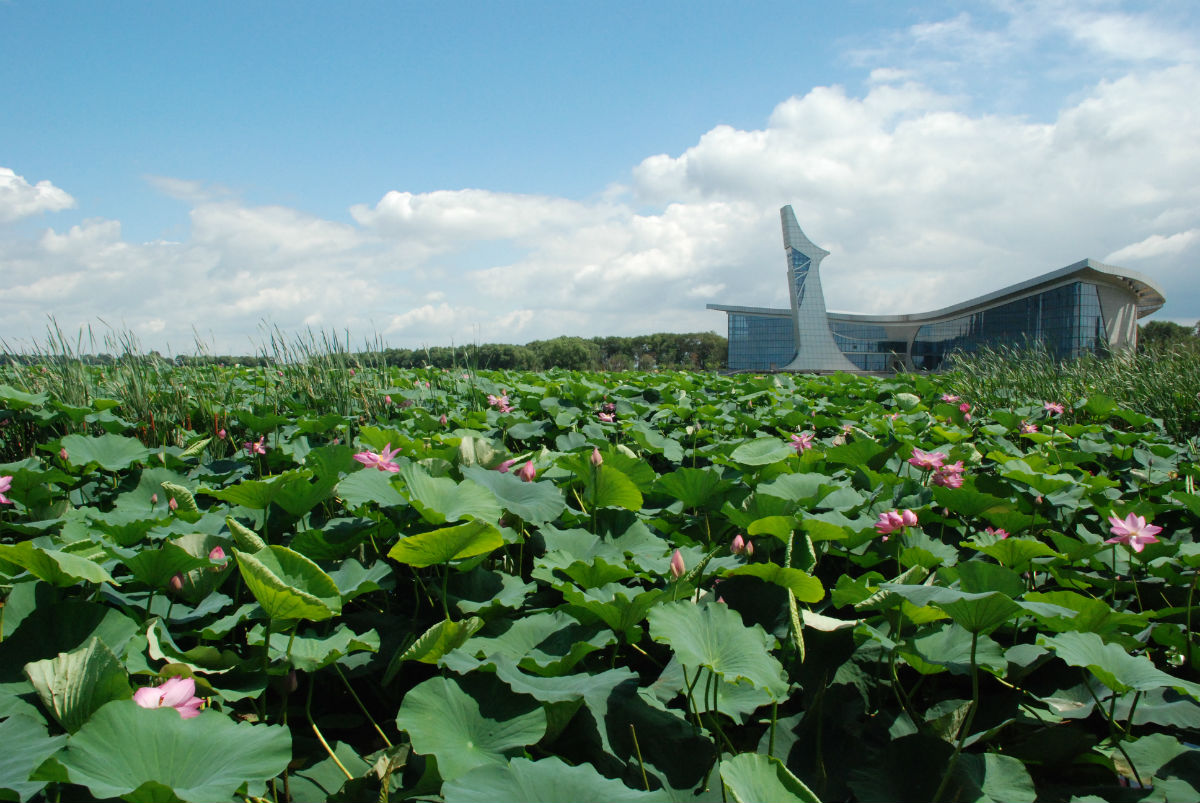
[292,585]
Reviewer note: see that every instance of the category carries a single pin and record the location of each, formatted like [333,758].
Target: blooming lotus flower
[527,472]
[504,466]
[965,409]
[607,418]
[998,532]
[908,518]
[5,484]
[256,447]
[677,567]
[172,504]
[950,476]
[926,461]
[741,546]
[1133,531]
[802,442]
[1054,408]
[178,693]
[894,520]
[500,402]
[1027,428]
[597,459]
[382,461]
[949,397]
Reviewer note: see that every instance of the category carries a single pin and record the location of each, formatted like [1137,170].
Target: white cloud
[19,198]
[1156,245]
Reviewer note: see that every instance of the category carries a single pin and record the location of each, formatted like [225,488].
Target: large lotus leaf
[203,658]
[1015,553]
[806,587]
[619,607]
[77,683]
[20,400]
[547,643]
[975,612]
[1083,614]
[447,544]
[535,502]
[736,700]
[110,452]
[694,487]
[62,569]
[155,567]
[288,585]
[977,576]
[26,746]
[994,778]
[968,502]
[948,645]
[463,732]
[752,778]
[798,487]
[1113,666]
[441,499]
[62,627]
[124,746]
[309,653]
[260,423]
[443,637]
[550,780]
[762,452]
[291,490]
[611,487]
[354,579]
[362,487]
[713,636]
[567,688]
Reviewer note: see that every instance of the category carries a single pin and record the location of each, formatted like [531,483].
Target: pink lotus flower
[1027,428]
[802,442]
[172,504]
[597,459]
[607,418]
[741,546]
[500,402]
[998,532]
[153,499]
[677,567]
[1133,531]
[221,434]
[965,409]
[1054,408]
[256,447]
[382,461]
[894,520]
[63,453]
[387,399]
[505,465]
[442,420]
[176,582]
[926,461]
[947,479]
[351,372]
[948,398]
[527,472]
[5,484]
[177,692]
[216,553]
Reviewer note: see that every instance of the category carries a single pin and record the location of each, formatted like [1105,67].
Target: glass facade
[867,345]
[760,342]
[799,265]
[1066,320]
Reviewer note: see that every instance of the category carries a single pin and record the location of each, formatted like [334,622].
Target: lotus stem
[317,731]
[361,707]
[638,750]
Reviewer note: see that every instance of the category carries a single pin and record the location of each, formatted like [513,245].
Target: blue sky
[501,172]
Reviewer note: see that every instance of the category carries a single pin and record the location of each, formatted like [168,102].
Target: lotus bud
[527,472]
[176,582]
[597,458]
[63,453]
[153,499]
[909,518]
[173,504]
[677,567]
[387,399]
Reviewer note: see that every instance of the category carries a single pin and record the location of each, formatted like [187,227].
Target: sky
[196,176]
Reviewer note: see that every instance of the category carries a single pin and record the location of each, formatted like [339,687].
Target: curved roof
[1149,296]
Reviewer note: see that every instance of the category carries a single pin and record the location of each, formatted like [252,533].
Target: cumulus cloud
[19,198]
[1156,245]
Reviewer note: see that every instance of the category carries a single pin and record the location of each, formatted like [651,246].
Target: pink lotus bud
[221,433]
[506,465]
[597,458]
[176,582]
[173,504]
[154,499]
[351,372]
[442,420]
[909,518]
[216,554]
[63,453]
[387,399]
[738,546]
[527,472]
[279,372]
[677,567]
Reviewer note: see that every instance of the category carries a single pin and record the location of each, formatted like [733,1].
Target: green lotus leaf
[694,487]
[447,544]
[968,502]
[752,777]
[66,626]
[619,607]
[806,587]
[1113,666]
[535,502]
[975,612]
[26,746]
[20,400]
[550,780]
[762,452]
[308,653]
[714,637]
[441,499]
[155,567]
[1015,553]
[547,643]
[110,452]
[62,569]
[611,487]
[463,732]
[375,486]
[443,637]
[77,683]
[288,585]
[124,746]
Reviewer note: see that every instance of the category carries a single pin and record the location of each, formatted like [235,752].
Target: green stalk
[361,707]
[965,730]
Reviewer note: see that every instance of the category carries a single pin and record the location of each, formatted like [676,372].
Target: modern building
[1082,307]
